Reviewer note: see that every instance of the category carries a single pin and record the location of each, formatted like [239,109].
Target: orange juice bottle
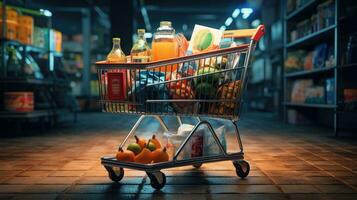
[165,45]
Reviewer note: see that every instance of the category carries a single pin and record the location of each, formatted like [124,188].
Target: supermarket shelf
[33,114]
[297,11]
[312,37]
[26,81]
[57,54]
[349,65]
[29,48]
[327,106]
[308,72]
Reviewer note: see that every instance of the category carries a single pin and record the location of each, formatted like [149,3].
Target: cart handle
[254,34]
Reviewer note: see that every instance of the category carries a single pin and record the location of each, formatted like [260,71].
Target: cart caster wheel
[115,173]
[242,168]
[197,166]
[157,180]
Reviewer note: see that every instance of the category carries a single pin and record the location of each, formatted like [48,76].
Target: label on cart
[117,85]
[197,145]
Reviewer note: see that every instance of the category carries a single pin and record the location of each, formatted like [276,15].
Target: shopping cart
[209,84]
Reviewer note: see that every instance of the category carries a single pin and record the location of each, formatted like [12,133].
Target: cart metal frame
[115,168]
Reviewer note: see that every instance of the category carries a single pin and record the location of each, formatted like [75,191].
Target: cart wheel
[197,166]
[242,168]
[115,173]
[157,180]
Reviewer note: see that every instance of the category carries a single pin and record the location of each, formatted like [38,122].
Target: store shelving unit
[327,34]
[49,86]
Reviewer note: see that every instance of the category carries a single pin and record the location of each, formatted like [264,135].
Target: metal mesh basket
[209,84]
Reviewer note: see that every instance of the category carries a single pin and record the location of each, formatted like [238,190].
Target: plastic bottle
[141,51]
[165,45]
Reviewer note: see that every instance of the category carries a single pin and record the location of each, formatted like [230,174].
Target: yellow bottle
[141,51]
[165,45]
[116,54]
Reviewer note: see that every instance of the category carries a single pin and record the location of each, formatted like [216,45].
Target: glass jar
[165,45]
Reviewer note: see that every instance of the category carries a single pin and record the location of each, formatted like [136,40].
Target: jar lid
[165,23]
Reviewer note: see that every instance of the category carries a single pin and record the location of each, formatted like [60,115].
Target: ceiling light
[246,12]
[223,28]
[228,22]
[235,13]
[46,13]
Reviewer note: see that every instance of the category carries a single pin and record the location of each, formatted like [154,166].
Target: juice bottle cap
[165,23]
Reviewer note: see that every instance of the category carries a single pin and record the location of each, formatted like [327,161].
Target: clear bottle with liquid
[141,51]
[116,54]
[165,45]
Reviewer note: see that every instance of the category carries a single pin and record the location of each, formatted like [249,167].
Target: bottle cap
[116,39]
[141,31]
[165,23]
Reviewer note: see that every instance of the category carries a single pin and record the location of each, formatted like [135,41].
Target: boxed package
[315,94]
[204,39]
[299,87]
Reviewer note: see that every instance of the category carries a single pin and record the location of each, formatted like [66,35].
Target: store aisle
[286,163]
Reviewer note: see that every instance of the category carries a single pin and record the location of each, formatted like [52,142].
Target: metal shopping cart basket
[209,84]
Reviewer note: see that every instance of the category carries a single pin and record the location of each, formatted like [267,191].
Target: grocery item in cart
[142,91]
[182,44]
[117,85]
[211,147]
[141,51]
[204,39]
[165,45]
[180,89]
[227,91]
[116,54]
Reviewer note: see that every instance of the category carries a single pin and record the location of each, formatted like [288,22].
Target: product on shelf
[294,61]
[320,55]
[350,98]
[165,45]
[324,17]
[141,51]
[19,101]
[299,87]
[330,91]
[11,23]
[57,40]
[350,56]
[25,29]
[315,95]
[40,37]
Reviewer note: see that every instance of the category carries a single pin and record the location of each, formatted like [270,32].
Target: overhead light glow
[148,35]
[46,13]
[246,12]
[235,13]
[228,22]
[223,28]
[255,23]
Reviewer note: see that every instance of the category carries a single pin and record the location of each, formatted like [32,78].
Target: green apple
[135,148]
[151,146]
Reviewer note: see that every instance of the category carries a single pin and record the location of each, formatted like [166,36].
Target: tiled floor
[286,163]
